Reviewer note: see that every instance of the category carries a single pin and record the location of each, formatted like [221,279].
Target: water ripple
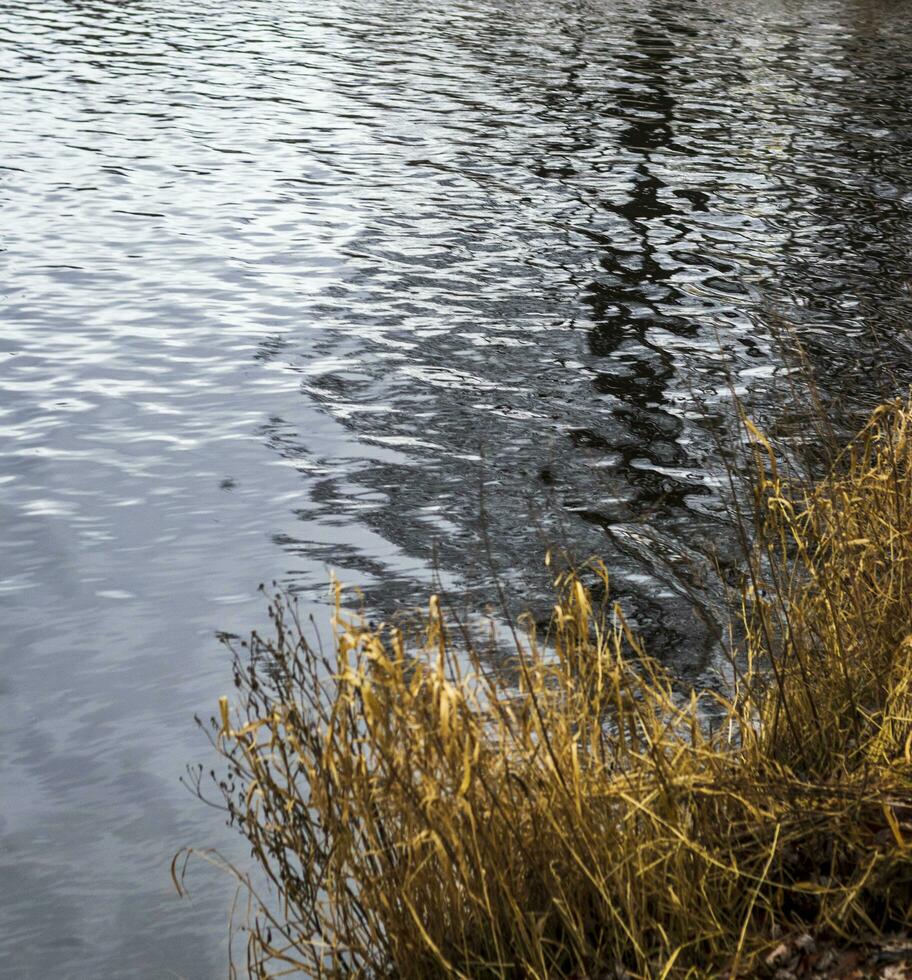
[294,285]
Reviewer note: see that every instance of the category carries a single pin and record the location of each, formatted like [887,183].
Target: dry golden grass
[421,816]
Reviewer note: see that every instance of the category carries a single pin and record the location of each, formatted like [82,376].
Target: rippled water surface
[289,285]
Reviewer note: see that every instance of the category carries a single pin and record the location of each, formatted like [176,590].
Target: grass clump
[419,815]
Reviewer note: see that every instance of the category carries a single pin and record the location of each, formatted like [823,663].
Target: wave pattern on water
[292,285]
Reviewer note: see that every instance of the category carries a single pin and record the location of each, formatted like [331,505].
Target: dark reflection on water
[285,285]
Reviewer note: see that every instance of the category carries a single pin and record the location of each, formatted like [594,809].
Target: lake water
[293,285]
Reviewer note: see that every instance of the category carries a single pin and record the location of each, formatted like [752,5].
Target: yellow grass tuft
[581,816]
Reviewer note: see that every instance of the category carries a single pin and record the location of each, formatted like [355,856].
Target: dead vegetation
[418,815]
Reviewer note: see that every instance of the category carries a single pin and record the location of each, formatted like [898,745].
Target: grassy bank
[581,815]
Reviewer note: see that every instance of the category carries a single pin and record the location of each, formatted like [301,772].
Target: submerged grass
[419,815]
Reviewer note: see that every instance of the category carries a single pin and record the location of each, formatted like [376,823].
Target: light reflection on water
[284,283]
